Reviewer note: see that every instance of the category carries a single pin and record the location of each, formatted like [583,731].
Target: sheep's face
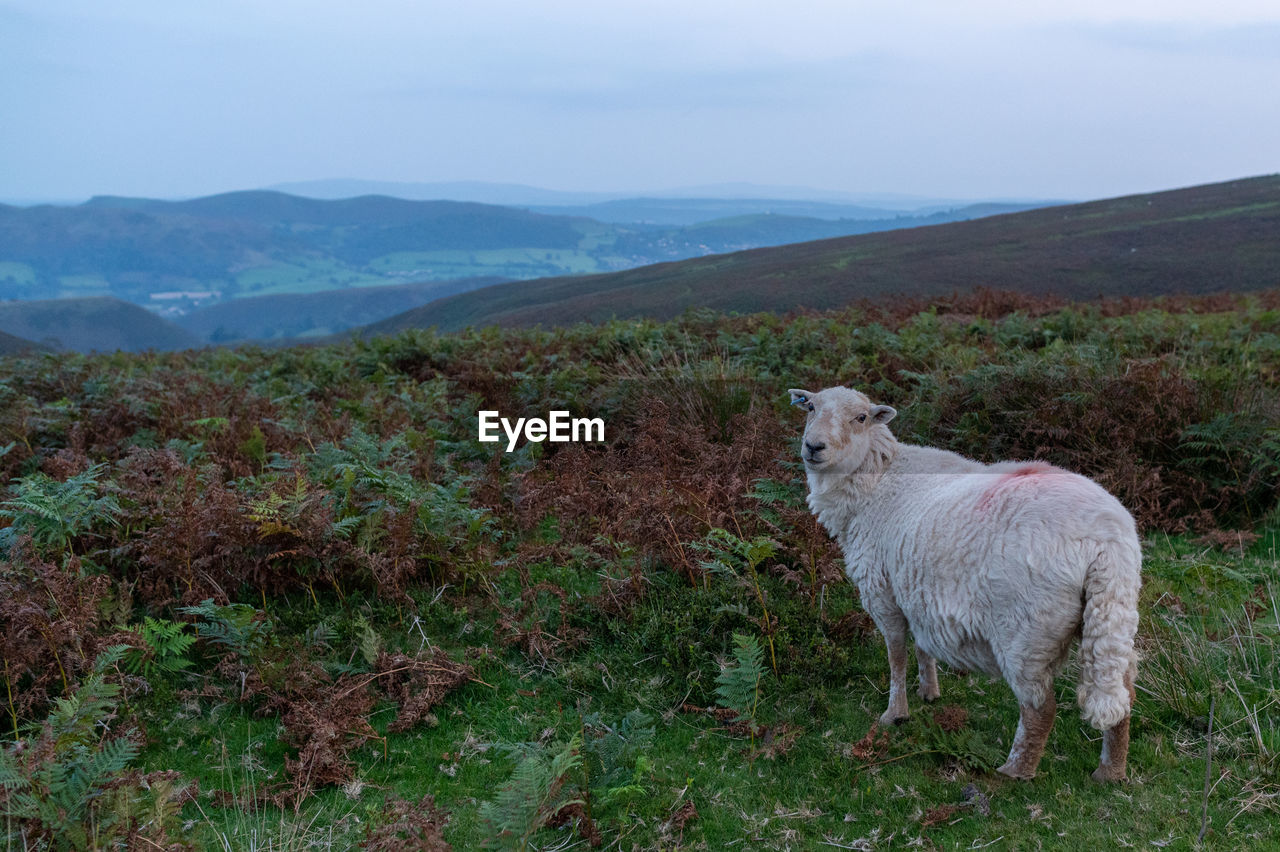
[838,428]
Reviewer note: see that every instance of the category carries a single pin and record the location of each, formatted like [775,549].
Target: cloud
[1252,41]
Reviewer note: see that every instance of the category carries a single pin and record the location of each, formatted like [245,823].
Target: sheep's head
[841,428]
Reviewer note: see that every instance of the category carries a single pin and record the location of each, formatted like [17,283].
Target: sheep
[994,568]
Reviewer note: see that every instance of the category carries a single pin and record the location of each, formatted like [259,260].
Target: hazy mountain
[1202,239]
[93,324]
[695,211]
[521,195]
[306,315]
[505,194]
[10,345]
[178,256]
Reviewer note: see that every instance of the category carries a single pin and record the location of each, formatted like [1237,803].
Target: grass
[303,275]
[1206,631]
[506,262]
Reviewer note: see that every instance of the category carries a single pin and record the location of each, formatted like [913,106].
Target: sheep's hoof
[1013,770]
[889,717]
[1108,774]
[930,695]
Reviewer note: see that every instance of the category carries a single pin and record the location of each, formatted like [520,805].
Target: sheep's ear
[883,413]
[800,397]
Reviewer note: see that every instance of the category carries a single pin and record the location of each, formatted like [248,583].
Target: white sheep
[994,568]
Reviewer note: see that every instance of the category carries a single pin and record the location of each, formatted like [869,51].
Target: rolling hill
[1202,239]
[10,345]
[177,256]
[100,324]
[306,315]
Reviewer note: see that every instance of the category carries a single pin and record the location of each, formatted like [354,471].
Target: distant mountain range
[521,195]
[1218,237]
[177,257]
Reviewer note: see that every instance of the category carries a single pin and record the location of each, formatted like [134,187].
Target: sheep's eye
[862,418]
[811,406]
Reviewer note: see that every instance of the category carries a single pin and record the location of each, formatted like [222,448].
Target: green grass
[304,275]
[507,263]
[830,691]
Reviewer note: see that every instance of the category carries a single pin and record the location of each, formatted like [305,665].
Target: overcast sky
[1086,99]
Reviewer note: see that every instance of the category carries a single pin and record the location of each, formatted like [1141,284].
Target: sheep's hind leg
[1034,724]
[1115,744]
[928,668]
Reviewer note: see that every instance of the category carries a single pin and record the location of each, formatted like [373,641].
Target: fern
[730,552]
[167,644]
[56,788]
[369,643]
[533,794]
[237,627]
[738,684]
[54,513]
[613,757]
[320,636]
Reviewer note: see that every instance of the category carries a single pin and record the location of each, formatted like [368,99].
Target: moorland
[284,599]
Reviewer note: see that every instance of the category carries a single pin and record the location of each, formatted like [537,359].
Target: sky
[975,100]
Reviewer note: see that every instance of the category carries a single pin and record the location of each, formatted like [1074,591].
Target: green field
[507,263]
[310,275]
[340,603]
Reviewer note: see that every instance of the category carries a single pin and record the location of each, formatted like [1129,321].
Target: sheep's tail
[1108,661]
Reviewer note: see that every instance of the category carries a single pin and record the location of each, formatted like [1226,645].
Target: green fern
[730,553]
[237,627]
[54,513]
[370,641]
[55,789]
[613,756]
[738,684]
[167,645]
[533,794]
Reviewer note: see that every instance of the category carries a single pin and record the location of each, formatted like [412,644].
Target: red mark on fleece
[1028,473]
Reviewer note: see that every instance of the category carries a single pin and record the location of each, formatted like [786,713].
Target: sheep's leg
[1115,744]
[1034,724]
[928,668]
[895,640]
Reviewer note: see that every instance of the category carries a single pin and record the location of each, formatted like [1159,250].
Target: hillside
[100,324]
[694,211]
[178,256]
[305,315]
[341,621]
[1202,239]
[10,345]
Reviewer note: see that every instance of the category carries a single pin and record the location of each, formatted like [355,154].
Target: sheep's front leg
[1034,724]
[895,641]
[928,668]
